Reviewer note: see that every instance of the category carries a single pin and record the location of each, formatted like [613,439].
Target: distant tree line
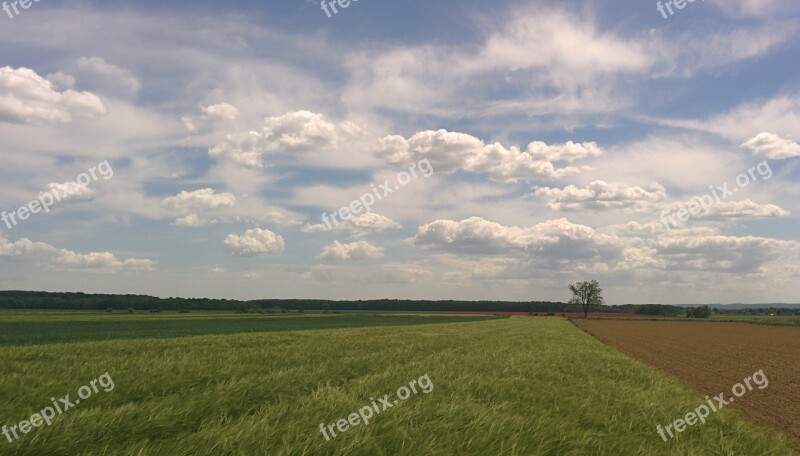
[84,301]
[698,312]
[759,311]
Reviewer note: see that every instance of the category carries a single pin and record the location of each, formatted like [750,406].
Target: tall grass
[518,386]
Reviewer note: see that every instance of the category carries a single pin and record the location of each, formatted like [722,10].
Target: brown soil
[712,357]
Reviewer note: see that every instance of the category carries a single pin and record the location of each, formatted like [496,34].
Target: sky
[406,150]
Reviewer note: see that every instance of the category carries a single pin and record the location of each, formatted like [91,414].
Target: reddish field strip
[712,357]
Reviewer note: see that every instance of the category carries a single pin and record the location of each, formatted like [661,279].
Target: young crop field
[38,328]
[512,386]
[713,356]
[776,320]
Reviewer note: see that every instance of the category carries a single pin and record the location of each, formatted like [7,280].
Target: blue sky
[566,141]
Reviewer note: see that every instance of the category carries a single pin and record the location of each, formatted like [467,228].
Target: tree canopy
[587,295]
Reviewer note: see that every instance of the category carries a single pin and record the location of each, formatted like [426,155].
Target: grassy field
[38,328]
[787,320]
[516,386]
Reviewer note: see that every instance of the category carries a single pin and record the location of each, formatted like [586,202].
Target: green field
[776,320]
[38,328]
[514,386]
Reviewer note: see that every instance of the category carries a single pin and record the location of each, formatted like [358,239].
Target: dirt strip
[712,357]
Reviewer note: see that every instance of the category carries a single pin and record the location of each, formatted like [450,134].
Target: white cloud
[372,222]
[570,48]
[221,112]
[294,132]
[360,250]
[696,50]
[22,247]
[203,199]
[193,221]
[254,242]
[780,115]
[573,69]
[70,260]
[730,210]
[556,239]
[452,151]
[70,190]
[61,80]
[549,62]
[682,163]
[369,222]
[568,152]
[109,77]
[99,262]
[559,247]
[772,146]
[743,209]
[732,254]
[601,196]
[27,98]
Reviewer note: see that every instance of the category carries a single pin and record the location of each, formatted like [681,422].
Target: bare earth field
[712,357]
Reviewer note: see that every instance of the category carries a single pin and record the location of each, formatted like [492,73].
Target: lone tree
[586,294]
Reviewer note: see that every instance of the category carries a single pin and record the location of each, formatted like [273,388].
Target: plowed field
[712,357]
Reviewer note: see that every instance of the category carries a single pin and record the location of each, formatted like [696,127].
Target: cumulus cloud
[730,210]
[743,209]
[22,247]
[99,262]
[27,98]
[772,146]
[70,191]
[294,132]
[553,238]
[61,80]
[518,253]
[193,221]
[452,151]
[369,222]
[254,242]
[212,114]
[568,151]
[203,199]
[68,259]
[221,112]
[354,251]
[372,221]
[730,254]
[601,196]
[703,249]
